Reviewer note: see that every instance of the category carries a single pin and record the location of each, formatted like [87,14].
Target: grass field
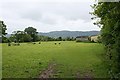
[29,60]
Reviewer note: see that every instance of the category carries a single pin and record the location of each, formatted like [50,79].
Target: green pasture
[29,60]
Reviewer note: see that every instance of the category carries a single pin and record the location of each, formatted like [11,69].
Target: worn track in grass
[86,75]
[49,72]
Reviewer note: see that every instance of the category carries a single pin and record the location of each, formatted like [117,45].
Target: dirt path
[86,75]
[48,73]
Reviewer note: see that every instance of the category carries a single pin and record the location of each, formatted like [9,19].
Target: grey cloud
[32,15]
[34,11]
[46,15]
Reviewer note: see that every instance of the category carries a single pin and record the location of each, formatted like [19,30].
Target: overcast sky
[47,15]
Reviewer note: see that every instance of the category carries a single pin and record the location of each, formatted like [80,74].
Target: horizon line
[63,30]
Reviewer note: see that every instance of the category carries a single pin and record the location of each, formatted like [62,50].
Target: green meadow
[71,58]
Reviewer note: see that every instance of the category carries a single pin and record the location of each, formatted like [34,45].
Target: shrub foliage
[107,17]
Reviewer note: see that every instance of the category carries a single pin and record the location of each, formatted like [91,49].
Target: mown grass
[28,60]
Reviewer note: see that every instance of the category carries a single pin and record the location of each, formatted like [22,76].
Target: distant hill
[64,34]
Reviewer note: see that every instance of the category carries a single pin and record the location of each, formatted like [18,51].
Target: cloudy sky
[47,15]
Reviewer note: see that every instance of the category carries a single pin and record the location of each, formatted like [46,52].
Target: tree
[12,38]
[59,39]
[32,32]
[27,38]
[2,28]
[20,36]
[68,39]
[108,18]
[3,31]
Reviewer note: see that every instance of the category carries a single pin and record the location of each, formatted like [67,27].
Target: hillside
[70,33]
[65,34]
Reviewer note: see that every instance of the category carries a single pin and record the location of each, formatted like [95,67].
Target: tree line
[29,34]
